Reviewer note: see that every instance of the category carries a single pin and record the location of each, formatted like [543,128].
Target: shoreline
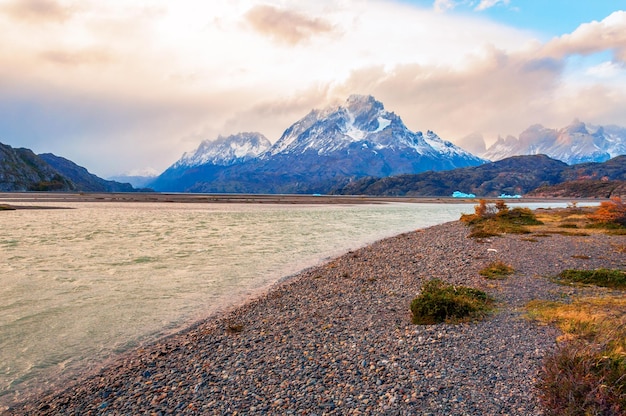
[13,199]
[345,325]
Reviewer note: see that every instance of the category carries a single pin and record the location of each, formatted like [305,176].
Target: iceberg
[458,194]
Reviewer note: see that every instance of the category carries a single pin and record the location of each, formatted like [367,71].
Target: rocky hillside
[511,176]
[589,188]
[22,170]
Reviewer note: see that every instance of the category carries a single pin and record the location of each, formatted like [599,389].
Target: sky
[126,87]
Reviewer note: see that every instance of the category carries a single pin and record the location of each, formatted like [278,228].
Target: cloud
[496,93]
[487,4]
[76,58]
[590,38]
[444,5]
[605,70]
[37,11]
[285,25]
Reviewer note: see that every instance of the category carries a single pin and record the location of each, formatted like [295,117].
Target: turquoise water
[80,285]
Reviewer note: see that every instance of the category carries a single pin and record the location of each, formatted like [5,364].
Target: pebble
[338,339]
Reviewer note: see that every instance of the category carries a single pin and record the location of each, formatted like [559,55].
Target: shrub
[610,212]
[615,279]
[491,220]
[443,302]
[587,373]
[578,381]
[497,270]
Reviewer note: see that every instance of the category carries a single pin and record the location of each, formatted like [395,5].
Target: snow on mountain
[225,151]
[364,121]
[325,149]
[575,143]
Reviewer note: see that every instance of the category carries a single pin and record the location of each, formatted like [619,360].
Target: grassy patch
[587,373]
[615,279]
[618,231]
[497,270]
[493,219]
[443,302]
[583,220]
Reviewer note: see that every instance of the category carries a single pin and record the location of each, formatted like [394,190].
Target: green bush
[497,270]
[496,219]
[443,302]
[615,279]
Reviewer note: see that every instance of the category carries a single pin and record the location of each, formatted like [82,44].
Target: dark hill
[585,188]
[22,170]
[83,180]
[515,175]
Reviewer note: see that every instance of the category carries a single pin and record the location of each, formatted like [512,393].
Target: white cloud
[606,70]
[444,5]
[487,4]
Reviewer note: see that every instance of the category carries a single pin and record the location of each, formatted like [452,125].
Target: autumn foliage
[610,212]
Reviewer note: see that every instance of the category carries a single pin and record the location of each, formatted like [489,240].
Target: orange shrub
[610,212]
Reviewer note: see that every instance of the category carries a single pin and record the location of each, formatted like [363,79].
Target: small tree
[610,212]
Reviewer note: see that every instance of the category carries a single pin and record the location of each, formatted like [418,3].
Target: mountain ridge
[23,170]
[575,143]
[511,176]
[326,147]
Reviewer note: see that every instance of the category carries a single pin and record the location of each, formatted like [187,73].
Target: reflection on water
[79,285]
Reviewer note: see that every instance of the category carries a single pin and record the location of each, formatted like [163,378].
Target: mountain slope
[82,179]
[515,175]
[576,143]
[210,158]
[333,146]
[23,170]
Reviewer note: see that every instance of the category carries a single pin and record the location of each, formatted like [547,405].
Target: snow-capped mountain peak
[360,128]
[362,119]
[575,143]
[326,148]
[225,151]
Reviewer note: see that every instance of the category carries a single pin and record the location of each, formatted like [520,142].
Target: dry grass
[587,373]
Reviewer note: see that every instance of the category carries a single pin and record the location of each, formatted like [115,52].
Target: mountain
[23,170]
[210,158]
[511,176]
[82,179]
[327,147]
[137,181]
[582,189]
[576,143]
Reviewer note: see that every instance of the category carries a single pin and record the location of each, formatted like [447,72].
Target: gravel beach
[337,339]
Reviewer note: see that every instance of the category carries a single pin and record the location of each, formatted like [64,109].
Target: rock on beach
[337,339]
